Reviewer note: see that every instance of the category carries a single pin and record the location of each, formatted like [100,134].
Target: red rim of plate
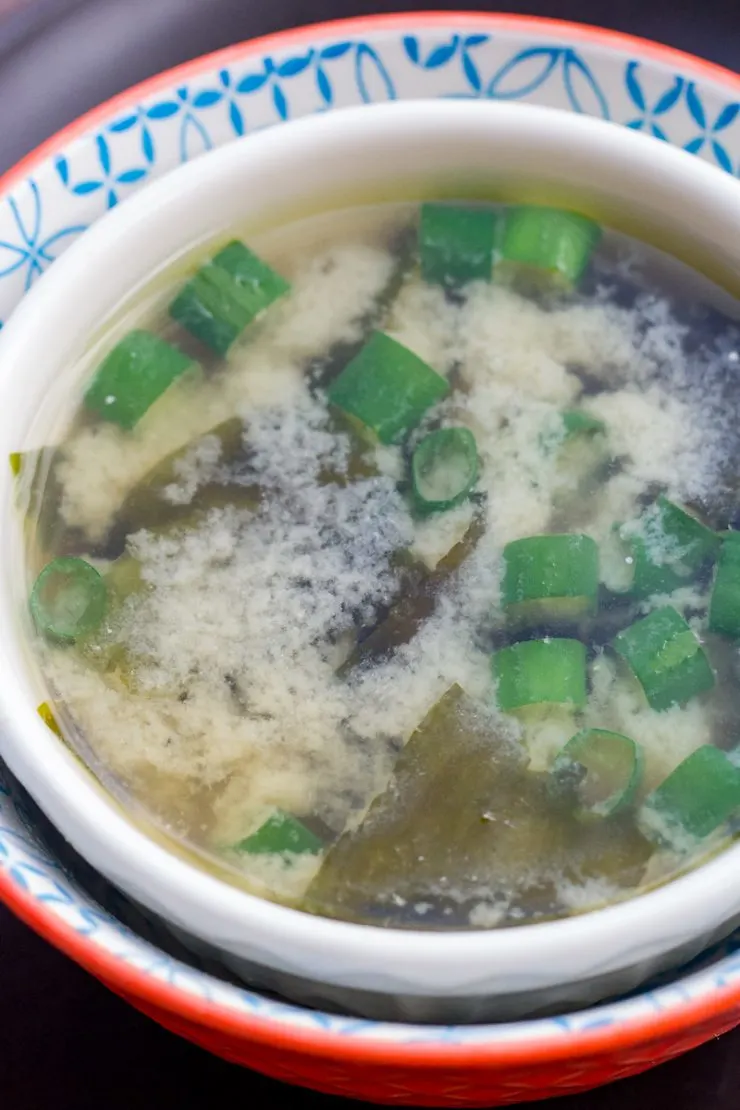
[685,1015]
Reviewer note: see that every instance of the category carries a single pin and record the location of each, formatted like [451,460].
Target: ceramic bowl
[67,185]
[421,147]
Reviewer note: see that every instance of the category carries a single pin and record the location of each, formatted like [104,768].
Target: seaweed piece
[461,821]
[417,600]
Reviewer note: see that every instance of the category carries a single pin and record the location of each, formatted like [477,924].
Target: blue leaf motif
[18,877]
[62,168]
[147,144]
[726,117]
[128,177]
[530,68]
[237,119]
[294,66]
[441,55]
[251,83]
[590,100]
[124,124]
[723,158]
[103,153]
[281,104]
[29,234]
[16,258]
[695,105]
[85,187]
[669,98]
[370,71]
[475,40]
[658,132]
[633,85]
[194,138]
[695,145]
[163,110]
[324,85]
[471,72]
[597,1023]
[337,50]
[636,124]
[57,894]
[411,46]
[207,98]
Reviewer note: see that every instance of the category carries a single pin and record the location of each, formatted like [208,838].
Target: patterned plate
[52,197]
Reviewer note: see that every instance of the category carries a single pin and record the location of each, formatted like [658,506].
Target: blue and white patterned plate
[59,191]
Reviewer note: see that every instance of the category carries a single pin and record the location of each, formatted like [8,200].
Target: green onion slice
[226,295]
[68,599]
[456,244]
[666,658]
[547,245]
[537,671]
[724,604]
[133,376]
[577,422]
[601,769]
[668,545]
[281,833]
[694,800]
[444,469]
[387,389]
[550,578]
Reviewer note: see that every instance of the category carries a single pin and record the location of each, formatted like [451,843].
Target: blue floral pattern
[244,92]
[30,250]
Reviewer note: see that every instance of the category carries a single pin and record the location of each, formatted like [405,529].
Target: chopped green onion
[537,671]
[456,244]
[547,244]
[404,252]
[226,295]
[666,658]
[47,716]
[668,546]
[548,578]
[387,388]
[601,769]
[699,796]
[577,422]
[444,469]
[280,833]
[133,376]
[68,599]
[15,459]
[724,604]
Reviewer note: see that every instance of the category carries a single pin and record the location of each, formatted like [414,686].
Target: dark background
[65,1042]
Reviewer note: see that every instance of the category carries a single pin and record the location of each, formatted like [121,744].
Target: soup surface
[391,568]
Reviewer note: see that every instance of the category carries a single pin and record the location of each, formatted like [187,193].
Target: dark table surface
[65,1042]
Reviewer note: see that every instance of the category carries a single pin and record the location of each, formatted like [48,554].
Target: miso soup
[388,564]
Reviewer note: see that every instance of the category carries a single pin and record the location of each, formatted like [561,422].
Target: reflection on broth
[389,564]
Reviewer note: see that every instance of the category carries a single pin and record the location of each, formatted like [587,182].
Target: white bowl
[417,147]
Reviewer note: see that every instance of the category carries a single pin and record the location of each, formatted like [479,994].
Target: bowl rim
[685,1014]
